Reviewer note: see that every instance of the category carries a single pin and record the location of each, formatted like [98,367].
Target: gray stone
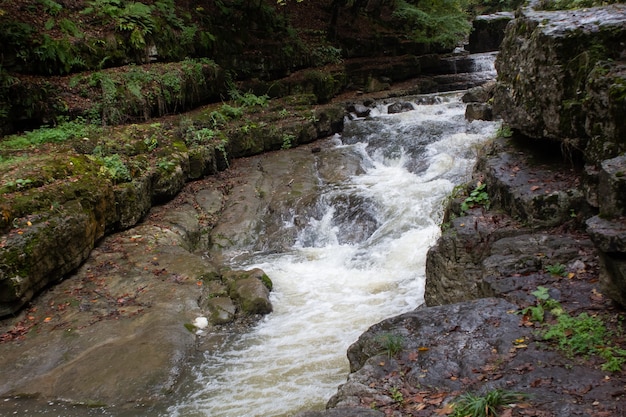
[400,107]
[488,32]
[612,187]
[540,194]
[133,200]
[478,111]
[359,110]
[610,238]
[222,310]
[604,106]
[252,295]
[608,235]
[342,412]
[480,94]
[554,53]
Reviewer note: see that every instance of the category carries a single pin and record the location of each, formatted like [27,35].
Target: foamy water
[327,293]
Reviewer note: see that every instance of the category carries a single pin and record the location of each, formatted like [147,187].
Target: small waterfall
[359,259]
[484,62]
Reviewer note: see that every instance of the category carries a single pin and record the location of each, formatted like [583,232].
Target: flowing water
[359,259]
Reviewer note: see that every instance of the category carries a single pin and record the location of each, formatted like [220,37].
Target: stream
[358,258]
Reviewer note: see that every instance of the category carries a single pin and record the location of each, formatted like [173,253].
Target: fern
[434,22]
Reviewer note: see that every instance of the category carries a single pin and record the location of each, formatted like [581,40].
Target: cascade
[358,259]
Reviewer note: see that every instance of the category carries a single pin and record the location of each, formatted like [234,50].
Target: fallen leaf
[506,413]
[446,410]
[423,349]
[534,188]
[47,319]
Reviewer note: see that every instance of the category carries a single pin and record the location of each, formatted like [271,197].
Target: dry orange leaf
[47,319]
[534,188]
[422,349]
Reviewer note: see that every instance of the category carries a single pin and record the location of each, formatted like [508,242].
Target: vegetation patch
[478,197]
[489,405]
[577,336]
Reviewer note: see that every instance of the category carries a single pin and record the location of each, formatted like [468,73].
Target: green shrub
[586,335]
[114,167]
[478,197]
[544,303]
[51,7]
[64,131]
[433,22]
[583,335]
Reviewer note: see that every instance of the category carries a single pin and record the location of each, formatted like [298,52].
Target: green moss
[267,282]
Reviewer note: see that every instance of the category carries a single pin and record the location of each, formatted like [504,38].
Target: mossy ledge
[53,218]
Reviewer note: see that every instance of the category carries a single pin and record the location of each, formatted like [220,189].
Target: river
[359,258]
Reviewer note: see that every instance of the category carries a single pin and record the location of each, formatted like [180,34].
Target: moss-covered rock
[42,250]
[555,52]
[250,289]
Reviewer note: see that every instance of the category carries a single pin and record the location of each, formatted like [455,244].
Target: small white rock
[201,322]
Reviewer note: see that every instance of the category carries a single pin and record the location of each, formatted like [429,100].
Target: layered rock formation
[561,78]
[551,216]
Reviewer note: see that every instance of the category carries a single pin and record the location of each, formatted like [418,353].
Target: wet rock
[612,188]
[608,235]
[453,264]
[40,252]
[400,107]
[252,295]
[437,343]
[479,94]
[135,200]
[120,318]
[610,238]
[250,289]
[603,106]
[342,412]
[222,310]
[479,246]
[202,161]
[478,111]
[555,53]
[488,31]
[541,191]
[359,110]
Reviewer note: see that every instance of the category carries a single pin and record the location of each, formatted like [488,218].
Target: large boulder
[610,238]
[251,290]
[561,54]
[488,32]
